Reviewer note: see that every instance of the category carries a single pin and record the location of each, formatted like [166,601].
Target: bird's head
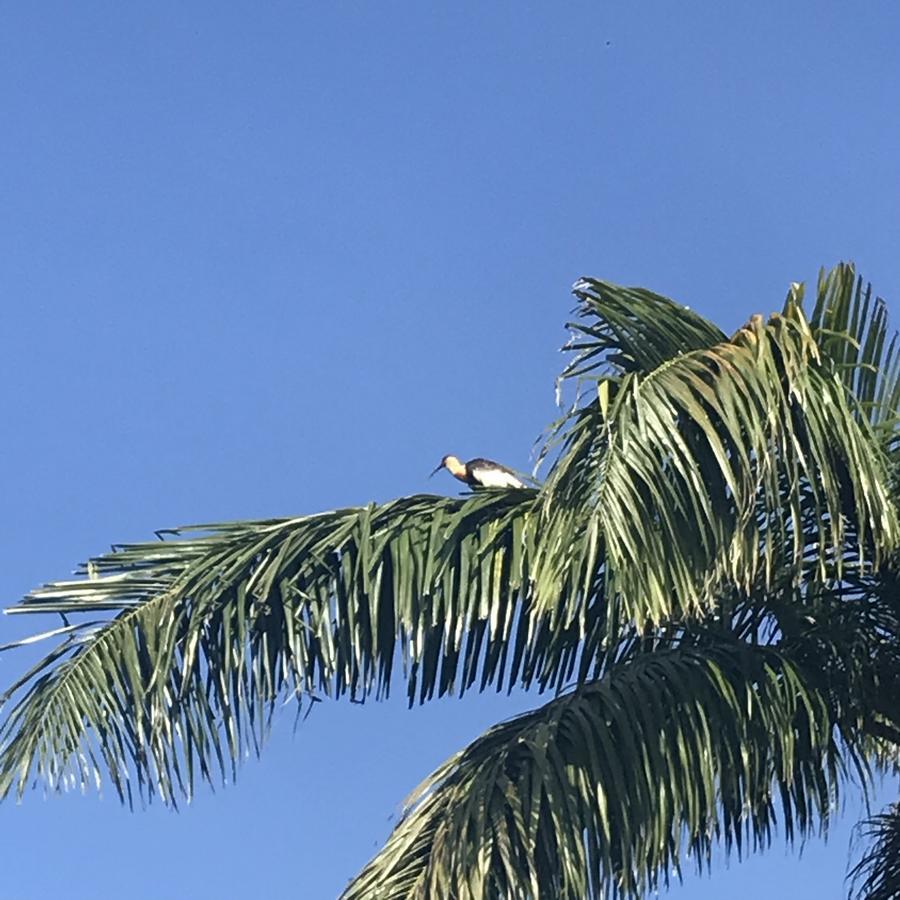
[445,463]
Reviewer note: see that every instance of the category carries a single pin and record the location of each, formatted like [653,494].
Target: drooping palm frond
[601,792]
[877,874]
[692,474]
[213,629]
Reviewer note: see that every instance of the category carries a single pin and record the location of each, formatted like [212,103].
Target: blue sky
[267,259]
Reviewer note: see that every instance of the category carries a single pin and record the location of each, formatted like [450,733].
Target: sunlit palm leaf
[850,325]
[692,474]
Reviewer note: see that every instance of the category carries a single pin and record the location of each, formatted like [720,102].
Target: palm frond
[603,791]
[691,475]
[631,329]
[212,629]
[877,874]
[850,326]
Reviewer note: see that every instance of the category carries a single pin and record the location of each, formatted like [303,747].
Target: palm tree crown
[706,582]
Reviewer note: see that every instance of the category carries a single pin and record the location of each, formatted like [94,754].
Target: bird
[479,472]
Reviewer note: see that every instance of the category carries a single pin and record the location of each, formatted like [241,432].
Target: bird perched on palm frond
[480,472]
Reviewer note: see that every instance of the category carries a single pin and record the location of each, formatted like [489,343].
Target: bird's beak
[438,469]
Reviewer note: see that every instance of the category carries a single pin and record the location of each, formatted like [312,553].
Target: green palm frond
[877,874]
[213,629]
[631,330]
[850,325]
[693,474]
[603,791]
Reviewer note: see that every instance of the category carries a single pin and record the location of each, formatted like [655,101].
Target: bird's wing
[492,474]
[499,478]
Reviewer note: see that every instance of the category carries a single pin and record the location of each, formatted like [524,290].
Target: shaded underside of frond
[603,791]
[876,876]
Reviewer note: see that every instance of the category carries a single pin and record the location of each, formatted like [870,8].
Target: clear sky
[267,259]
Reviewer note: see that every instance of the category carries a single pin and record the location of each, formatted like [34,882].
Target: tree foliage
[706,582]
[877,874]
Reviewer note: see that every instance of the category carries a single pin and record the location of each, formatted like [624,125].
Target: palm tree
[705,584]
